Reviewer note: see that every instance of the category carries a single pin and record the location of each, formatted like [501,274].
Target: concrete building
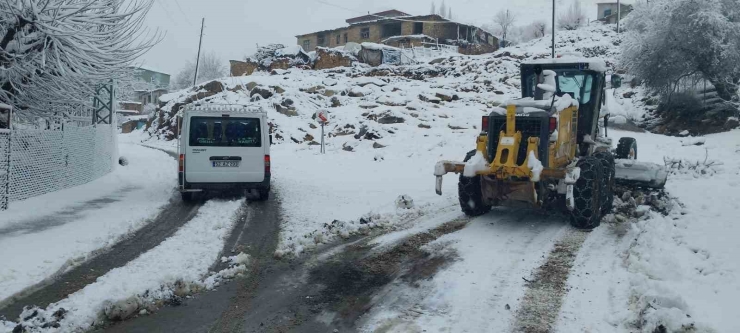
[397,28]
[608,13]
[154,84]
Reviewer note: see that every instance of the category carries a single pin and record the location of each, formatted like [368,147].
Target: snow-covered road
[481,288]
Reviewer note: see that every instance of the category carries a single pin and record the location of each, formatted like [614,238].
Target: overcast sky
[234,28]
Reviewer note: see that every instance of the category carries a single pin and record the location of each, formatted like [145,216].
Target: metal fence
[43,161]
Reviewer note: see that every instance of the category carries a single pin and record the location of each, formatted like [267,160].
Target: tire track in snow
[70,280]
[64,283]
[541,304]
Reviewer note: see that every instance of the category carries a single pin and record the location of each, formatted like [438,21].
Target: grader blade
[643,174]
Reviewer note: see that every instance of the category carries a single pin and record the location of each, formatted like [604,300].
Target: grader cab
[546,149]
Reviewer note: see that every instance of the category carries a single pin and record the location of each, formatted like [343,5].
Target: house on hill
[396,28]
[158,84]
[609,13]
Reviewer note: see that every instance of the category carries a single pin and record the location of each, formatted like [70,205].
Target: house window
[418,28]
[321,40]
[607,12]
[306,45]
[345,38]
[339,39]
[365,33]
[393,29]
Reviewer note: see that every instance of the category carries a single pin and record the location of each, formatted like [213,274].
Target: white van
[224,148]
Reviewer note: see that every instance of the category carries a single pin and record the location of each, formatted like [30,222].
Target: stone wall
[240,68]
[327,58]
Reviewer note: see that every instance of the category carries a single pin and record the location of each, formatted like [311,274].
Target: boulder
[446,96]
[251,85]
[335,102]
[424,126]
[314,90]
[278,89]
[263,92]
[213,87]
[389,119]
[286,110]
[377,145]
[429,99]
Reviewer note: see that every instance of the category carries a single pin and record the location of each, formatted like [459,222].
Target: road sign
[322,117]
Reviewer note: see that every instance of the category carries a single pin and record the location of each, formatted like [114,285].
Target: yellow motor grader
[547,148]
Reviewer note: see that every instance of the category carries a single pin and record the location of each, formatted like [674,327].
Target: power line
[166,12]
[182,12]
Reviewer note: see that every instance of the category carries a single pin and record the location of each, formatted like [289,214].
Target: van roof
[223,108]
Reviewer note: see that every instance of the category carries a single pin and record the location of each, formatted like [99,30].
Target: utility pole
[619,14]
[197,60]
[553,29]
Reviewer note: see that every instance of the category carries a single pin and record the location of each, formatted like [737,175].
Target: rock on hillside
[368,104]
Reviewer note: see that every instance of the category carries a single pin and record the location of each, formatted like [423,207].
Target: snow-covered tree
[573,18]
[449,13]
[434,8]
[442,9]
[538,29]
[54,52]
[504,21]
[210,68]
[668,40]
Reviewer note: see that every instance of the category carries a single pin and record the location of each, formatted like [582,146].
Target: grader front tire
[586,212]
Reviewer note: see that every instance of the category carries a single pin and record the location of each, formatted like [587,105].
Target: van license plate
[226,164]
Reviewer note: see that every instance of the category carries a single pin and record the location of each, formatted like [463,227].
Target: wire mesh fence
[43,161]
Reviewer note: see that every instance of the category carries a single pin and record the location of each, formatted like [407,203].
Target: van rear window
[225,132]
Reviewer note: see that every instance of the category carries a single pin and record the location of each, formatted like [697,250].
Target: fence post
[6,198]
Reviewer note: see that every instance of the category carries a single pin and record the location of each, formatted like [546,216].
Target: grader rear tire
[586,212]
[470,193]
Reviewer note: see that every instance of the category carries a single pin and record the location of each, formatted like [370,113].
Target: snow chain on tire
[586,212]
[470,193]
[607,193]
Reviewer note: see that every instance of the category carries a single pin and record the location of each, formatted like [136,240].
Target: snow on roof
[594,64]
[377,47]
[406,37]
[290,51]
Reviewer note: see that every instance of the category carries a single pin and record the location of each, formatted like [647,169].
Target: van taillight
[553,124]
[181,163]
[484,124]
[267,164]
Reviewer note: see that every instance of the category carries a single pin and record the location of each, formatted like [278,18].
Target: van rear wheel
[263,194]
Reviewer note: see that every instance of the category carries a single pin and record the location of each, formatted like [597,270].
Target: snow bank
[106,209]
[172,269]
[678,270]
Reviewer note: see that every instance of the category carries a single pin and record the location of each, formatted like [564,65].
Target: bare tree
[573,18]
[539,28]
[54,52]
[210,68]
[449,13]
[434,8]
[442,9]
[504,20]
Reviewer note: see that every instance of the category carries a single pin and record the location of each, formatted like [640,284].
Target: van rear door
[225,149]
